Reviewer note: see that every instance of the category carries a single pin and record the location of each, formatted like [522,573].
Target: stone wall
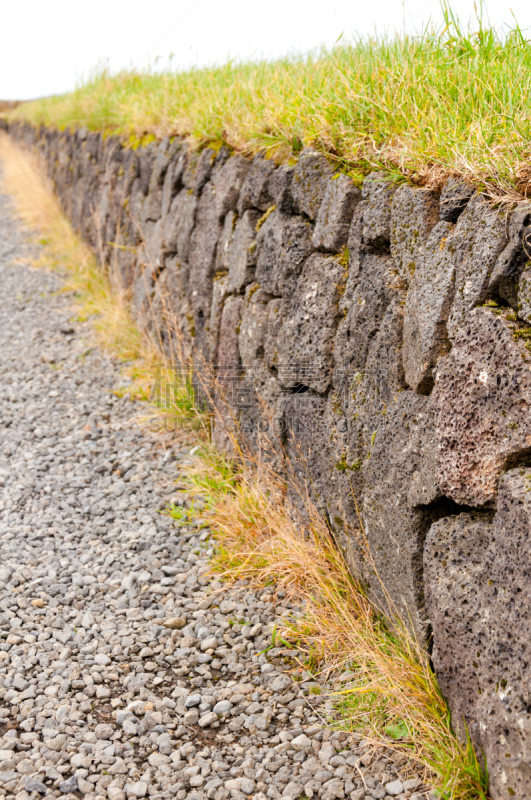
[381,338]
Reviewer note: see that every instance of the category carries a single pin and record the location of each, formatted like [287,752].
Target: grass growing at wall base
[392,694]
[450,101]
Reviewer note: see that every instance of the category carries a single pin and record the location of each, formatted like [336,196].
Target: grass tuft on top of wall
[452,101]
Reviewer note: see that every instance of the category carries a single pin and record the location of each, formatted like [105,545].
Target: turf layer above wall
[381,336]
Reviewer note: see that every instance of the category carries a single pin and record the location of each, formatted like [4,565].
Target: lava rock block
[335,214]
[455,197]
[414,213]
[219,295]
[368,298]
[175,329]
[255,191]
[367,395]
[224,388]
[275,320]
[153,204]
[260,416]
[223,248]
[524,295]
[428,305]
[253,328]
[306,340]
[310,180]
[179,225]
[173,179]
[480,404]
[279,187]
[479,600]
[504,705]
[454,562]
[377,196]
[198,169]
[321,478]
[479,238]
[399,469]
[228,182]
[283,244]
[514,258]
[242,252]
[228,348]
[202,259]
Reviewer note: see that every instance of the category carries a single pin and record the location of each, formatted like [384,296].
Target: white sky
[47,47]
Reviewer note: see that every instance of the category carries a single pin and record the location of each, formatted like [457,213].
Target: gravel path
[119,676]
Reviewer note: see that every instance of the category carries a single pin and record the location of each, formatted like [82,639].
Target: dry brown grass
[35,204]
[393,696]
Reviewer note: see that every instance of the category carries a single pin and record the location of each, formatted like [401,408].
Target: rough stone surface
[256,188]
[414,212]
[478,600]
[335,214]
[454,199]
[310,181]
[242,252]
[283,245]
[479,238]
[377,196]
[369,298]
[428,304]
[514,257]
[227,184]
[524,295]
[279,187]
[400,481]
[203,245]
[454,559]
[486,382]
[306,339]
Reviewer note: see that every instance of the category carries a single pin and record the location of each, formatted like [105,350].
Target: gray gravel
[125,670]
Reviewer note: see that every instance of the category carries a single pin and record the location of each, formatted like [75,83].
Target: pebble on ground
[120,676]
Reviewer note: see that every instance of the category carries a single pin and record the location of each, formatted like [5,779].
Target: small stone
[102,660]
[68,786]
[174,623]
[115,793]
[38,602]
[104,731]
[222,707]
[301,742]
[192,700]
[210,643]
[137,789]
[129,726]
[33,784]
[208,719]
[191,717]
[280,683]
[84,786]
[394,788]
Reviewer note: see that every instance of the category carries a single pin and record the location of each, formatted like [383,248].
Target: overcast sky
[48,47]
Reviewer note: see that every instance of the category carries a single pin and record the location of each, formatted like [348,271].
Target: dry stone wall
[380,338]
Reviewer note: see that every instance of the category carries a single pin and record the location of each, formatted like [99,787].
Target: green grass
[456,100]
